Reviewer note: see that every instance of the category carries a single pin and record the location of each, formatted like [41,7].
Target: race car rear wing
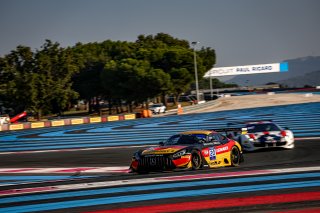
[243,130]
[247,122]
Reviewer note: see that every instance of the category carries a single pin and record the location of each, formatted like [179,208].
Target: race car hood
[162,150]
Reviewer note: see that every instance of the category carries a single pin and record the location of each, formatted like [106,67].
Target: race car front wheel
[196,160]
[235,156]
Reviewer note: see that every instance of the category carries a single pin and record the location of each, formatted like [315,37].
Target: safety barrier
[65,122]
[102,119]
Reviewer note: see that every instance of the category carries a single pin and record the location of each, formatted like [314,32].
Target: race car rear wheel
[235,156]
[196,160]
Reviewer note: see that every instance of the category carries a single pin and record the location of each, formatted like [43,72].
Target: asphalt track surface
[274,180]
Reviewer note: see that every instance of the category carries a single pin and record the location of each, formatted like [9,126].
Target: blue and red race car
[262,135]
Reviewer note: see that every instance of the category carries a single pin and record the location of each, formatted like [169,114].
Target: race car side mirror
[161,143]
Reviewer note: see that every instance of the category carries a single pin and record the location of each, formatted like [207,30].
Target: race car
[188,150]
[264,134]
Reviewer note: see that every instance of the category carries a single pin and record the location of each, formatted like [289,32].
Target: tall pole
[194,43]
[211,91]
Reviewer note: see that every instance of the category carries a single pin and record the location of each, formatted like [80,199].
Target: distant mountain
[297,68]
[312,79]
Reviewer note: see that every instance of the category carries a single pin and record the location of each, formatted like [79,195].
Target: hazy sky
[241,31]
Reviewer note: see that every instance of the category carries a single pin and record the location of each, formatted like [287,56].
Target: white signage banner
[248,69]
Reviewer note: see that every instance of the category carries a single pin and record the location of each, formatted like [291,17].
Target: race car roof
[259,122]
[206,132]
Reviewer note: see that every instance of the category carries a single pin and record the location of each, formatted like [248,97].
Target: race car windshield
[185,139]
[262,127]
[156,105]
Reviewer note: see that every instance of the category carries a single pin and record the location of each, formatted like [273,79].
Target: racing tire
[235,156]
[196,160]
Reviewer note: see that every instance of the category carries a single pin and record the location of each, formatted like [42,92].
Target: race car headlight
[179,154]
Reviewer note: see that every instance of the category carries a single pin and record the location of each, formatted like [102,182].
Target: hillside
[297,68]
[312,78]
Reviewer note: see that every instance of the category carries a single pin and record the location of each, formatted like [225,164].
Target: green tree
[48,79]
[175,57]
[92,58]
[178,63]
[208,58]
[54,69]
[16,79]
[133,80]
[40,81]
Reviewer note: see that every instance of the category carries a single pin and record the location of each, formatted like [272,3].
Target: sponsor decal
[176,148]
[57,123]
[16,126]
[222,149]
[37,125]
[247,69]
[159,151]
[130,116]
[166,151]
[95,120]
[212,153]
[215,163]
[113,118]
[261,68]
[205,152]
[77,121]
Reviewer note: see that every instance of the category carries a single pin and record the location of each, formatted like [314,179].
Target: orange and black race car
[189,150]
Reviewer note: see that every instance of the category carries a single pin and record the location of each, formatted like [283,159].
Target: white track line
[153,180]
[73,150]
[121,169]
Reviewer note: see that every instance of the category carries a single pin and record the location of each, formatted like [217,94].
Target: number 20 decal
[212,153]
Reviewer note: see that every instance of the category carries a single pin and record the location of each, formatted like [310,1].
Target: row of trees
[38,81]
[50,79]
